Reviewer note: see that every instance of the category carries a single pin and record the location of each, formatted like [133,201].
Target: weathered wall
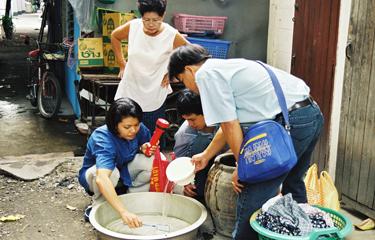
[355,173]
[246,27]
[280,34]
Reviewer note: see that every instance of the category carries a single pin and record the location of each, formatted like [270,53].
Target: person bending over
[112,163]
[235,94]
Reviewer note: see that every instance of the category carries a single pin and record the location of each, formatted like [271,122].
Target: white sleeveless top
[148,59]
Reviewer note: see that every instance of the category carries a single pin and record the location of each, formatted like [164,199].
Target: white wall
[2,7]
[344,20]
[280,34]
[17,6]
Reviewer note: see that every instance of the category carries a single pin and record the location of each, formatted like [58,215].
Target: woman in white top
[150,44]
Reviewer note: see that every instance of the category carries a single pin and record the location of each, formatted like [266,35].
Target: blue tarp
[71,75]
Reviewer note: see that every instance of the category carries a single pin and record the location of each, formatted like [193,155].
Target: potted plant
[7,26]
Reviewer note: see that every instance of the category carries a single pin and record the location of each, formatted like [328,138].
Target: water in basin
[182,217]
[152,225]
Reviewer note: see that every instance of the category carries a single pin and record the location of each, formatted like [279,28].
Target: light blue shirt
[241,89]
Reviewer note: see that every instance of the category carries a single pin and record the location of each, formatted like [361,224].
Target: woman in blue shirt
[111,157]
[236,93]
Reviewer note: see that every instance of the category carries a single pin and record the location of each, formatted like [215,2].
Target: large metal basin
[178,206]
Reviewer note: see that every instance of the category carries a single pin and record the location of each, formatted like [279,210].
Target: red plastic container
[199,24]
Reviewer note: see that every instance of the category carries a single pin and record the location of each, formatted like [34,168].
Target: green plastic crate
[343,227]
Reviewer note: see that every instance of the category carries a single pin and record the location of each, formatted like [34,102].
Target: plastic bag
[321,190]
[85,14]
[312,184]
[329,194]
[158,180]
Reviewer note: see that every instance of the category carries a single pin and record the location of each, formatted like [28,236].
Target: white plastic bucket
[181,171]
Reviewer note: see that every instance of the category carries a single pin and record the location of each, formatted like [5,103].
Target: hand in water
[131,219]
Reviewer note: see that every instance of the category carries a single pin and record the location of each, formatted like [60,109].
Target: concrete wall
[345,10]
[19,5]
[280,34]
[2,7]
[246,27]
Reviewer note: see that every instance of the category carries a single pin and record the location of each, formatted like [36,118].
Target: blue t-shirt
[107,151]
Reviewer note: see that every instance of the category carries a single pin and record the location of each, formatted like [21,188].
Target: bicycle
[44,87]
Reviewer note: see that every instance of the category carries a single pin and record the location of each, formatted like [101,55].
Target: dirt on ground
[52,206]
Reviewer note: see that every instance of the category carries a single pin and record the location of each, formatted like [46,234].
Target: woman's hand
[237,187]
[122,69]
[130,219]
[165,81]
[200,161]
[152,149]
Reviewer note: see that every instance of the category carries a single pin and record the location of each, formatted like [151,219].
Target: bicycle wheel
[49,95]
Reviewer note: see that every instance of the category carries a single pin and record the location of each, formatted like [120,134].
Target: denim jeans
[306,124]
[200,144]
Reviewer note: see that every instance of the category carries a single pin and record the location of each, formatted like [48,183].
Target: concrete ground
[27,23]
[25,132]
[356,218]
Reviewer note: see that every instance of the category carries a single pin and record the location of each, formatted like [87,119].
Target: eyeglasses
[152,20]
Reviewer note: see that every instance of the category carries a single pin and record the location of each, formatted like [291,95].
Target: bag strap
[279,94]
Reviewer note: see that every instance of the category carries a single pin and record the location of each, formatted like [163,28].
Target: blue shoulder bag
[267,150]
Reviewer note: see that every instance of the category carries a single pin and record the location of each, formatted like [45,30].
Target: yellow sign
[110,57]
[111,21]
[90,52]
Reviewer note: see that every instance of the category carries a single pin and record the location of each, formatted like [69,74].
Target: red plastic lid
[162,123]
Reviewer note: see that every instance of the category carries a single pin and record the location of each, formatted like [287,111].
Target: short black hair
[189,54]
[158,6]
[188,103]
[120,109]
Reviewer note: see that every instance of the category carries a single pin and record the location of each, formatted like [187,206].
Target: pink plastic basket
[199,24]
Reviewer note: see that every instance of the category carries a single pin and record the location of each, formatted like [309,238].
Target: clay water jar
[219,195]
